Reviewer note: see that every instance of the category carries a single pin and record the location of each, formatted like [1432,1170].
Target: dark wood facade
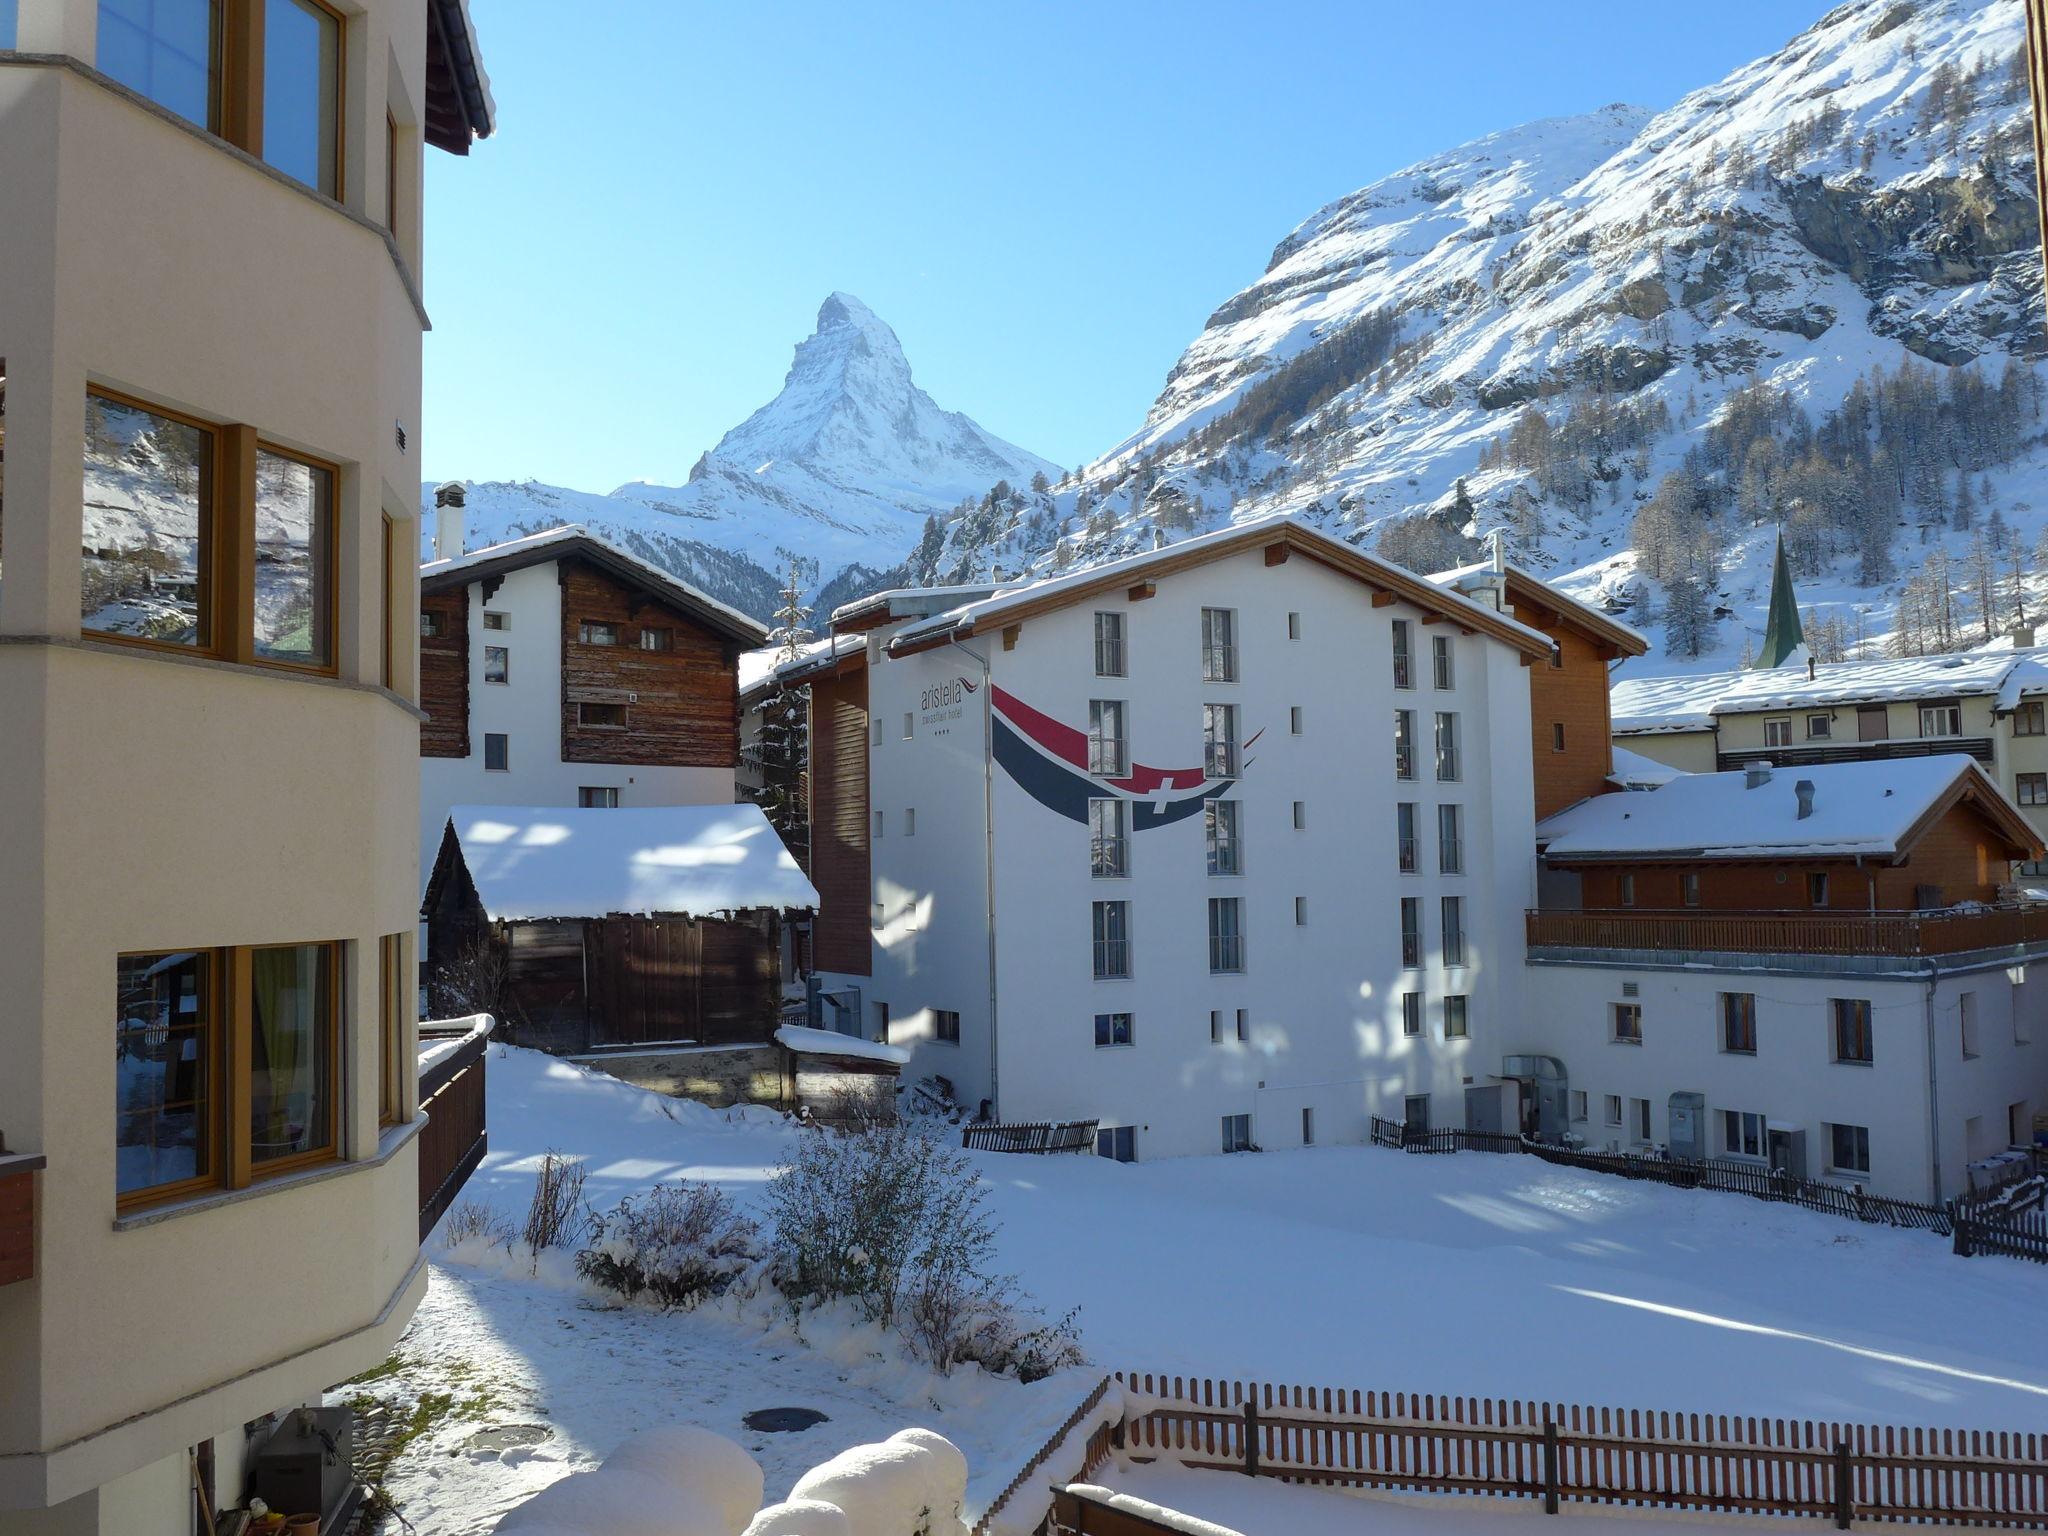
[839,824]
[444,673]
[1571,727]
[681,704]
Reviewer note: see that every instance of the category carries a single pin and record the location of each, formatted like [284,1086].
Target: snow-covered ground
[1343,1266]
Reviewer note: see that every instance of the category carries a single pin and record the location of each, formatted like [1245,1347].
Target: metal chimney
[450,521]
[1756,775]
[1804,790]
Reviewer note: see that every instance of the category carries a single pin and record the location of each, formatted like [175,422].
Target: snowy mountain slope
[838,471]
[1548,329]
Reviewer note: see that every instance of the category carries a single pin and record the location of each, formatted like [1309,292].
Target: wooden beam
[1010,633]
[1141,590]
[1432,618]
[1276,553]
[234,551]
[1382,599]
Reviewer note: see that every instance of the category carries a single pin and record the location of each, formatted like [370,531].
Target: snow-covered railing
[454,1139]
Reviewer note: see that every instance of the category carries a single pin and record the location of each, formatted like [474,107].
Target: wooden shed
[613,929]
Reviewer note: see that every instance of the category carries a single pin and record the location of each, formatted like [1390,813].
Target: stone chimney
[1804,790]
[449,519]
[1755,775]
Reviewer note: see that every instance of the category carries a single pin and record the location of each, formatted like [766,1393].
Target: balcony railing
[1949,932]
[454,1140]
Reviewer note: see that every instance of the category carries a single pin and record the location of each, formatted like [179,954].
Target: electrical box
[304,1468]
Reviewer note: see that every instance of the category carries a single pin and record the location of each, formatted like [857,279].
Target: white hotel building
[1199,844]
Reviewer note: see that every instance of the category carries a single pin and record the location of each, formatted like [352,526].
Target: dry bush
[557,1217]
[678,1243]
[468,1219]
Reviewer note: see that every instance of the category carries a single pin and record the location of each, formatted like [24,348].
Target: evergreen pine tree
[781,755]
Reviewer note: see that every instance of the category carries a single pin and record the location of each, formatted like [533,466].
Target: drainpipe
[1933,1095]
[988,863]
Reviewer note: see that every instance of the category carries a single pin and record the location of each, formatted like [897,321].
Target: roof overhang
[458,105]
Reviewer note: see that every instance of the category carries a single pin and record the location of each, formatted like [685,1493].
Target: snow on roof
[1635,771]
[1858,809]
[758,668]
[826,1042]
[1585,612]
[1689,702]
[820,655]
[920,600]
[538,544]
[532,862]
[968,615]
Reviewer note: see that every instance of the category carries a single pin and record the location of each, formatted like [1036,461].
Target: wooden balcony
[454,1139]
[1890,935]
[18,1216]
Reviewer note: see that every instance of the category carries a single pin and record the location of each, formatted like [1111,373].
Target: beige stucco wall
[1687,751]
[152,802]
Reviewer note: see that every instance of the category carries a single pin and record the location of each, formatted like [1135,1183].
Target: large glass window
[1447,768]
[291,1052]
[1849,1148]
[1112,940]
[1109,645]
[1411,932]
[1404,743]
[1404,666]
[1450,840]
[1226,934]
[1108,748]
[1225,850]
[302,92]
[1219,645]
[294,560]
[1738,1023]
[1852,1029]
[1404,836]
[1219,741]
[1454,930]
[167,50]
[165,1097]
[148,524]
[1108,838]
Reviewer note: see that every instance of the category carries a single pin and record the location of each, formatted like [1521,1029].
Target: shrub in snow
[911,1484]
[613,1502]
[472,1219]
[708,1467]
[557,1216]
[679,1243]
[800,1517]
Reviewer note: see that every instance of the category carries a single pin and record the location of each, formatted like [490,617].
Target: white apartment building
[1223,845]
[560,670]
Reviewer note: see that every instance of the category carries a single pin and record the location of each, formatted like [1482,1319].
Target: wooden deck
[1902,934]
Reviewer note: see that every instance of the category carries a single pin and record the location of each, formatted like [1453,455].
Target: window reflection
[148,483]
[291,1098]
[301,86]
[294,509]
[168,50]
[163,1048]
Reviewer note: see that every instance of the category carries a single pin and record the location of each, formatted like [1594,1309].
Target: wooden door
[645,980]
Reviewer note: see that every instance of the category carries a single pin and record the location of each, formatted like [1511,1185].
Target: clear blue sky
[1044,199]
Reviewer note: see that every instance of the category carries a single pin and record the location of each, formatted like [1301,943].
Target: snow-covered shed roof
[530,862]
[1632,770]
[759,670]
[825,1042]
[907,603]
[1690,702]
[574,540]
[1528,590]
[1281,534]
[1858,810]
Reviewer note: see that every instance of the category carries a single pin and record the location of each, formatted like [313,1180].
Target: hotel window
[1108,839]
[610,717]
[1689,887]
[1294,719]
[1108,751]
[1301,815]
[1849,1149]
[1411,1013]
[1816,889]
[1446,746]
[1628,1024]
[1852,1042]
[167,50]
[1778,733]
[598,797]
[302,92]
[430,625]
[946,1026]
[909,724]
[1738,1023]
[1454,930]
[2028,720]
[1639,1114]
[1215,1026]
[1226,935]
[1118,1143]
[1819,727]
[1742,1133]
[1557,736]
[1301,911]
[1415,1112]
[1219,741]
[149,478]
[1440,657]
[395,991]
[1411,932]
[910,821]
[1578,1110]
[1404,667]
[2033,788]
[226,1066]
[1628,890]
[497,663]
[1244,1025]
[1941,719]
[1219,827]
[295,551]
[1450,844]
[1112,1029]
[1611,1106]
[1219,645]
[1294,626]
[657,637]
[1455,1027]
[878,826]
[1308,1126]
[1966,1020]
[497,752]
[1404,743]
[1109,645]
[496,620]
[1404,836]
[597,632]
[1112,940]
[1237,1133]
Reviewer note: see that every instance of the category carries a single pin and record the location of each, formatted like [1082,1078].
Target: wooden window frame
[585,626]
[392,987]
[386,658]
[227,564]
[230,979]
[667,645]
[390,173]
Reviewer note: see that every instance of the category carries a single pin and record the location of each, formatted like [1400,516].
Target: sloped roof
[530,863]
[1284,531]
[574,541]
[1860,810]
[1625,638]
[459,106]
[1690,701]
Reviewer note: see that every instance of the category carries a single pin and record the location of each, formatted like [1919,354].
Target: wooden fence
[1093,1455]
[1792,933]
[1574,1454]
[455,1138]
[1031,1136]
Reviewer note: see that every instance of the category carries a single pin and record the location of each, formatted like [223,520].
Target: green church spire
[1784,641]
